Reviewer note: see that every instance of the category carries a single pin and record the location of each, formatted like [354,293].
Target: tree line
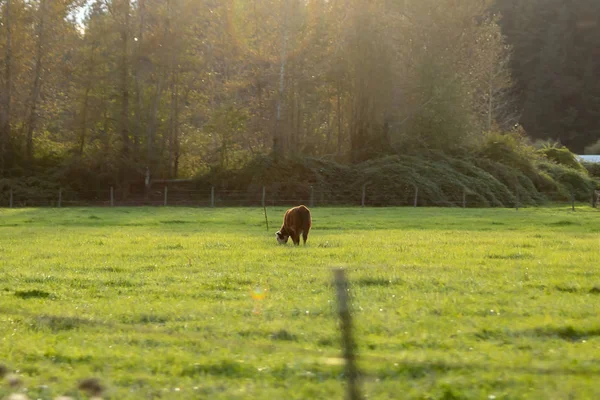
[131,90]
[555,64]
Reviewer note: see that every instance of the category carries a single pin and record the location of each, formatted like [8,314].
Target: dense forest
[555,64]
[97,92]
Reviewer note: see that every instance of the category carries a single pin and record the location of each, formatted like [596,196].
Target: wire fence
[274,196]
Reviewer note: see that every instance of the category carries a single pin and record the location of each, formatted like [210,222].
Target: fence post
[572,201]
[264,196]
[60,198]
[517,201]
[212,197]
[312,197]
[112,196]
[10,199]
[416,195]
[266,219]
[166,194]
[594,198]
[364,193]
[464,197]
[341,285]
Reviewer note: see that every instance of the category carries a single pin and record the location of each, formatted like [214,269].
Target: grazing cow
[296,221]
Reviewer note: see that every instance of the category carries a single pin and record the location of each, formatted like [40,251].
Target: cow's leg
[304,236]
[296,239]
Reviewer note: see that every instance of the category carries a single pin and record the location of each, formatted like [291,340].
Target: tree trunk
[152,131]
[339,122]
[490,101]
[37,81]
[136,79]
[174,126]
[277,134]
[83,133]
[5,119]
[176,144]
[125,90]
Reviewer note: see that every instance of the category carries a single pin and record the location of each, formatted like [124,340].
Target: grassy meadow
[161,303]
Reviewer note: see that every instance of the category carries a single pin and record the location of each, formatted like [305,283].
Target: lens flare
[258,294]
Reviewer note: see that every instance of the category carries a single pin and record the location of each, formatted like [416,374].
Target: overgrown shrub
[570,181]
[491,176]
[593,169]
[562,156]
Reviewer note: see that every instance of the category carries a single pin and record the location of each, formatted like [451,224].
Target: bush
[497,169]
[570,181]
[490,174]
[562,156]
[593,169]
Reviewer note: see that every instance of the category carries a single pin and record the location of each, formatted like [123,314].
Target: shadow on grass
[32,294]
[567,333]
[59,323]
[370,281]
[419,370]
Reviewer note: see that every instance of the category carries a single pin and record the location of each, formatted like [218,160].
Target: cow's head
[281,238]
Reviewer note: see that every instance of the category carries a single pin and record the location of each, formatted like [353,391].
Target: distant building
[590,158]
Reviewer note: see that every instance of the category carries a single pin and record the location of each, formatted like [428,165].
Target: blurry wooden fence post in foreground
[351,372]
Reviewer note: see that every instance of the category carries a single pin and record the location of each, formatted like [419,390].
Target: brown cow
[296,221]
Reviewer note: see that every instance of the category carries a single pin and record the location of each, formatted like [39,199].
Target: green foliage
[571,181]
[593,149]
[593,169]
[500,167]
[158,309]
[28,191]
[507,148]
[561,155]
[556,79]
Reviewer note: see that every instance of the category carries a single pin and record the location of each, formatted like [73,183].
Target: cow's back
[298,219]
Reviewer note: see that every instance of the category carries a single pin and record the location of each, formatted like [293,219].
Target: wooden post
[212,197]
[60,198]
[166,194]
[341,285]
[266,219]
[112,197]
[312,197]
[572,201]
[264,194]
[10,199]
[364,193]
[416,195]
[517,200]
[464,197]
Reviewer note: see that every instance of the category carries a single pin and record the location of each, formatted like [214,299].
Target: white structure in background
[590,158]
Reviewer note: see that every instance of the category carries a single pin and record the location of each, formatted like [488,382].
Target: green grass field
[158,303]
